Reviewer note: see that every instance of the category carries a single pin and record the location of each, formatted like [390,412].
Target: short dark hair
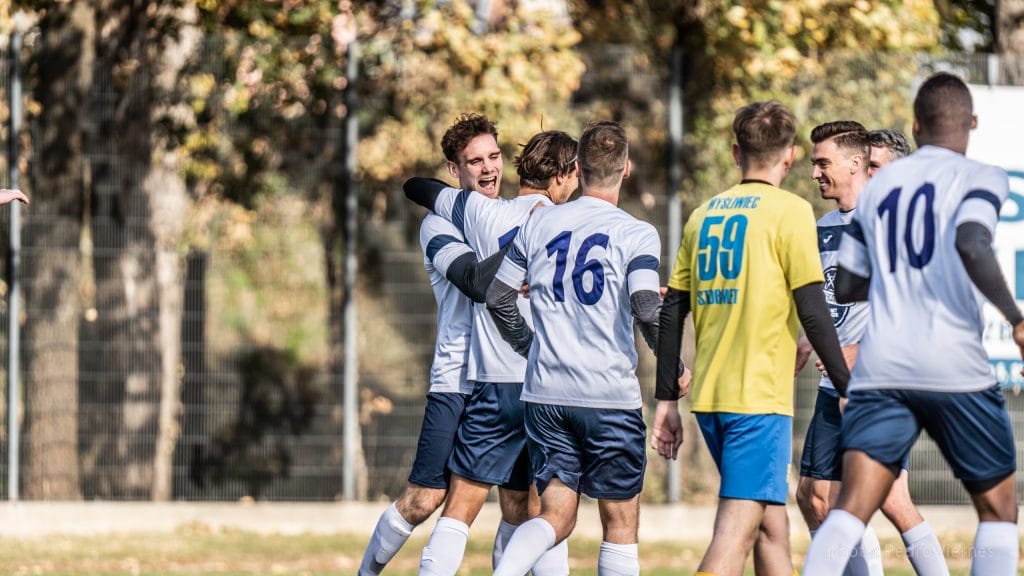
[763,131]
[892,140]
[545,155]
[465,128]
[943,105]
[603,153]
[847,134]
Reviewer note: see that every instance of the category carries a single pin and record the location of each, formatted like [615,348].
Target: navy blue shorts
[600,452]
[972,429]
[437,436]
[822,457]
[752,452]
[491,446]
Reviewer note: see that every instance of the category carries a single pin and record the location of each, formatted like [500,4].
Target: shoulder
[434,225]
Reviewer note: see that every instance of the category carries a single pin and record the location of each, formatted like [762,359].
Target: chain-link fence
[261,411]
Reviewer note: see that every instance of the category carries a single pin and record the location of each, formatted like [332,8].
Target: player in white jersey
[491,445]
[471,148]
[590,268]
[840,163]
[919,251]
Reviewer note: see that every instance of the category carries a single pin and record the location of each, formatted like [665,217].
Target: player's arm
[503,294]
[471,276]
[10,195]
[853,278]
[424,191]
[817,322]
[671,317]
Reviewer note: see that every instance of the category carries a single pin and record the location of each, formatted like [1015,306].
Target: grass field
[196,550]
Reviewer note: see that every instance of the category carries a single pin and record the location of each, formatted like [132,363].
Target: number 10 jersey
[742,255]
[925,322]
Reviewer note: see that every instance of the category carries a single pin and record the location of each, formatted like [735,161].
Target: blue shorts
[440,424]
[600,452]
[822,457]
[752,452]
[491,446]
[972,429]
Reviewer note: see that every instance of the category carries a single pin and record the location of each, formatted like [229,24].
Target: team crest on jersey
[838,311]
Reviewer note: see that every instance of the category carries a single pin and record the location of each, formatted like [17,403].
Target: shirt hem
[632,405]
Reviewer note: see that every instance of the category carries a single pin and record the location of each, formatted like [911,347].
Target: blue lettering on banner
[718,296]
[1015,199]
[1007,372]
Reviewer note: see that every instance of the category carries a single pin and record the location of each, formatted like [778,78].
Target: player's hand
[662,291]
[803,353]
[7,196]
[843,400]
[684,382]
[1018,338]
[821,367]
[524,290]
[667,431]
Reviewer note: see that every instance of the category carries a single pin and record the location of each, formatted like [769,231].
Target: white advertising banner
[998,141]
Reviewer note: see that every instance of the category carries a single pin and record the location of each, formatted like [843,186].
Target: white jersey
[924,323]
[849,319]
[582,261]
[487,225]
[442,244]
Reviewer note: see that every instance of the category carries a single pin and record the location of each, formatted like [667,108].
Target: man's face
[880,156]
[831,167]
[479,166]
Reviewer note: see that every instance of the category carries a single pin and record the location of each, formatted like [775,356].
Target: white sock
[554,562]
[924,551]
[531,540]
[866,559]
[442,555]
[501,539]
[618,560]
[833,543]
[388,537]
[995,549]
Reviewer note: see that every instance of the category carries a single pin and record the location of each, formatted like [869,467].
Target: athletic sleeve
[674,309]
[974,244]
[853,250]
[501,303]
[472,277]
[447,202]
[990,188]
[798,247]
[442,243]
[642,269]
[817,322]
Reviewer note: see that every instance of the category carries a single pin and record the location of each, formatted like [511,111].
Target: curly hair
[465,128]
[546,155]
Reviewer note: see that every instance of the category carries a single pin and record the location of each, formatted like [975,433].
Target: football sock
[443,553]
[531,540]
[388,537]
[618,560]
[924,551]
[505,531]
[554,562]
[833,543]
[995,549]
[866,559]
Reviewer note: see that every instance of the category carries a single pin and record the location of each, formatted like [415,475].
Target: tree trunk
[52,261]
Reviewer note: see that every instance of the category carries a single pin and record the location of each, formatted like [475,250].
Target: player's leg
[973,431]
[923,548]
[443,553]
[771,550]
[619,555]
[821,464]
[878,431]
[428,482]
[538,536]
[752,452]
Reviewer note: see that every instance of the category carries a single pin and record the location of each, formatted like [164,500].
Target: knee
[417,505]
[515,508]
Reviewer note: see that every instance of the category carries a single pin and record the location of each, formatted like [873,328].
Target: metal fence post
[350,398]
[675,179]
[13,271]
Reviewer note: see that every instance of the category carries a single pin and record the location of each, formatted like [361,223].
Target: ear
[736,155]
[790,157]
[974,121]
[916,127]
[629,168]
[452,169]
[856,163]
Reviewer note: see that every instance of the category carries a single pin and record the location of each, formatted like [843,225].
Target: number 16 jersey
[924,322]
[742,255]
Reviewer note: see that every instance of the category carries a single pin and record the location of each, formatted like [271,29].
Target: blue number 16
[559,247]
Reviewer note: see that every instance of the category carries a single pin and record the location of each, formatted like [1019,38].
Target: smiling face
[832,168]
[479,166]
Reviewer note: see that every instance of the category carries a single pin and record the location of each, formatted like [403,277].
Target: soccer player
[589,266]
[748,268]
[886,147]
[919,250]
[470,147]
[840,164]
[491,444]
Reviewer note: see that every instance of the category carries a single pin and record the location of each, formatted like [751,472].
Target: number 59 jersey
[742,255]
[925,319]
[582,261]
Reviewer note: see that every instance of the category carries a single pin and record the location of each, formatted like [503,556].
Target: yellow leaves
[737,17]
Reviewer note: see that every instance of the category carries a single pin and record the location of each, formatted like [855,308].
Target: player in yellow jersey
[748,268]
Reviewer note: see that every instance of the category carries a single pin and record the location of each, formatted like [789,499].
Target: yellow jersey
[743,253]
